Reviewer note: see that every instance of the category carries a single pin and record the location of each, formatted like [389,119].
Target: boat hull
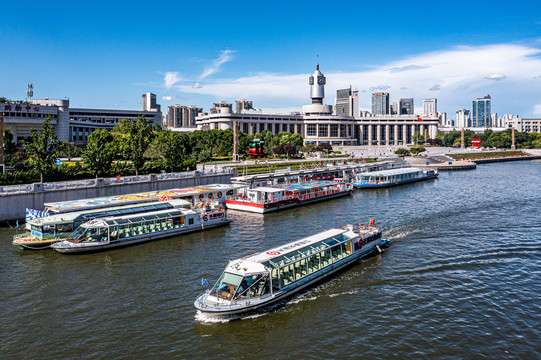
[295,288]
[280,205]
[102,246]
[35,245]
[386,185]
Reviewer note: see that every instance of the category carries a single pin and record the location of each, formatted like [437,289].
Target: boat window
[226,287]
[253,286]
[89,234]
[64,227]
[36,228]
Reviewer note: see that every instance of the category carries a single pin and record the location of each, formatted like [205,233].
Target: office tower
[395,108]
[241,105]
[480,114]
[347,102]
[221,108]
[149,102]
[380,103]
[182,116]
[462,118]
[406,106]
[430,106]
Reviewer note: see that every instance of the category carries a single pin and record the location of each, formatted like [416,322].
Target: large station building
[72,125]
[317,124]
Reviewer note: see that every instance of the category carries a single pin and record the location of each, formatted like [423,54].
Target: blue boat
[393,177]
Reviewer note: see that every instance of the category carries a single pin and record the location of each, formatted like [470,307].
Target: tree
[324,147]
[70,151]
[99,152]
[43,148]
[417,150]
[139,135]
[402,152]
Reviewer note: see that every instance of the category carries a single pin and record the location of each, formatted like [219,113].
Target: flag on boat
[418,118]
[17,224]
[34,214]
[204,282]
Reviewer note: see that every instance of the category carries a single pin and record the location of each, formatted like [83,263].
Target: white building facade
[317,124]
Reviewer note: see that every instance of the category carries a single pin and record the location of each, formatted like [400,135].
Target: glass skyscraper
[480,115]
[380,103]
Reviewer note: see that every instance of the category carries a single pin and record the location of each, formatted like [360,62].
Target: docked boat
[277,197]
[44,231]
[393,177]
[259,280]
[108,233]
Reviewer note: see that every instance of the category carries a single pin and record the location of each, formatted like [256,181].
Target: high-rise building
[463,118]
[149,102]
[430,106]
[481,112]
[395,108]
[242,105]
[493,120]
[182,116]
[380,103]
[347,102]
[406,106]
[221,108]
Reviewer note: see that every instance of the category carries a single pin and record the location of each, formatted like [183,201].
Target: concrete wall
[13,206]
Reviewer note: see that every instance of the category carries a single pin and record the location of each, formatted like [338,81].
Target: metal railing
[73,184]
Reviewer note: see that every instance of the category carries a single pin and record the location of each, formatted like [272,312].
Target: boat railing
[305,196]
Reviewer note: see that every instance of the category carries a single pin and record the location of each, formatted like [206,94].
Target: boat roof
[398,171]
[110,211]
[135,218]
[248,178]
[306,185]
[100,202]
[293,246]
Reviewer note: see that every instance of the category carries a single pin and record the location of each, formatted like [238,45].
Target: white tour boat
[278,197]
[112,232]
[262,279]
[393,177]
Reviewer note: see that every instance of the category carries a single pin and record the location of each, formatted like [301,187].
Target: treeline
[492,139]
[131,147]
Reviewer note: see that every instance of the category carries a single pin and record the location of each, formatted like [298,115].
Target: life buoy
[205,217]
[360,243]
[362,226]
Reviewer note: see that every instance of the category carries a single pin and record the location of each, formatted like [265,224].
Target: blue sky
[106,54]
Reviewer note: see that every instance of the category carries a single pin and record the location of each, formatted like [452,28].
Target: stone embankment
[14,199]
[440,163]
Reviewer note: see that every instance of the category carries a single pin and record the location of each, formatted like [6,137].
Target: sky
[107,54]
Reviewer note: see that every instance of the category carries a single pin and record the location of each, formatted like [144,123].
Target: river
[462,279]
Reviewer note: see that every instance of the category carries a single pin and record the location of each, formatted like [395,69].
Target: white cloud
[496,77]
[196,86]
[537,109]
[171,78]
[167,98]
[459,72]
[436,87]
[225,56]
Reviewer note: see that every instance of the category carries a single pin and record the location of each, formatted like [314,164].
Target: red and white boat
[277,197]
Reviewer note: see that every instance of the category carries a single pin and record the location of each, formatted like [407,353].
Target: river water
[461,280]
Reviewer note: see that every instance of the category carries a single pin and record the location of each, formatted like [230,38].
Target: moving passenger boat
[111,232]
[271,198]
[44,231]
[262,279]
[393,177]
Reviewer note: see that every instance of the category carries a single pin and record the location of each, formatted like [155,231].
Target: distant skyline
[107,54]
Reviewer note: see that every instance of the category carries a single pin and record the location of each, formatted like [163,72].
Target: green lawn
[477,155]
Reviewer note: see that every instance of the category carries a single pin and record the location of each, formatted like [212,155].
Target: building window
[343,131]
[261,127]
[284,127]
[323,130]
[311,130]
[292,128]
[334,130]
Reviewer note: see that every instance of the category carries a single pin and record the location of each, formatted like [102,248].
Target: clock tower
[317,83]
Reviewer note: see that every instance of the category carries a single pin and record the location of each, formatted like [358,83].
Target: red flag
[418,118]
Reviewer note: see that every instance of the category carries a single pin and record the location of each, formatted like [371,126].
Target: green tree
[70,151]
[99,152]
[139,136]
[402,152]
[43,148]
[417,150]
